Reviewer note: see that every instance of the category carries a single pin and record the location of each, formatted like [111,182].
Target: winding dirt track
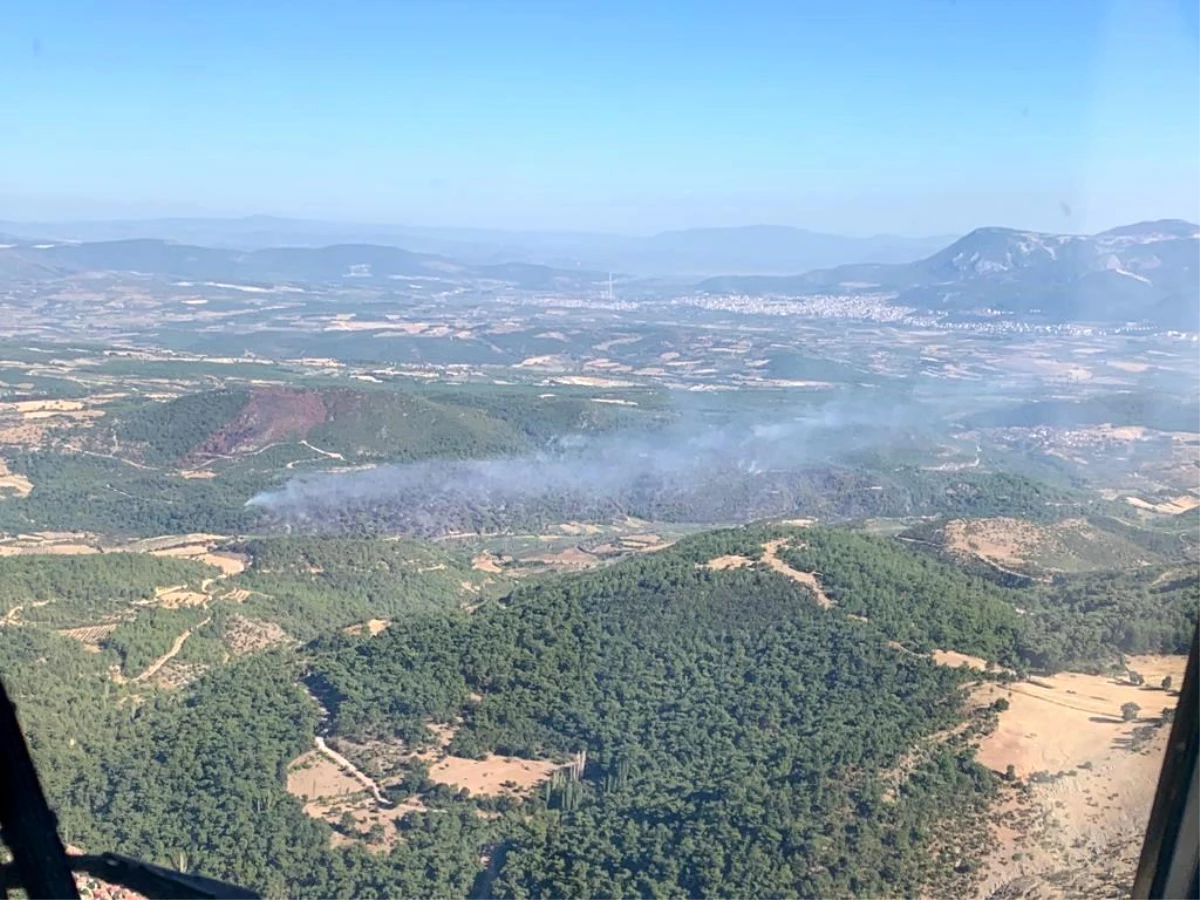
[176,646]
[808,579]
[352,770]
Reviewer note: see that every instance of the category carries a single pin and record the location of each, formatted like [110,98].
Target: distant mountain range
[692,253]
[342,263]
[1147,272]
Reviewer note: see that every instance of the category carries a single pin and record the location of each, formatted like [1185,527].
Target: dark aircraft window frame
[1170,862]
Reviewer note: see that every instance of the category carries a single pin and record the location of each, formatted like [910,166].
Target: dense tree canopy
[736,732]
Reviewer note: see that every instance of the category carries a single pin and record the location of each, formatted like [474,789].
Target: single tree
[1167,682]
[1129,711]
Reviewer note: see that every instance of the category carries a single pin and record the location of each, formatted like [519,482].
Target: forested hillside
[148,467]
[353,424]
[735,731]
[756,706]
[73,492]
[311,586]
[481,497]
[213,425]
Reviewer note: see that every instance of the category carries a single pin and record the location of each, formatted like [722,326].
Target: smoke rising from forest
[687,457]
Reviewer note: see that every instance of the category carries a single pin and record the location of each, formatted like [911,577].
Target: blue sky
[852,116]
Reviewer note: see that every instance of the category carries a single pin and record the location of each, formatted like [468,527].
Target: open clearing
[575,528]
[176,646]
[332,785]
[571,556]
[228,563]
[1031,550]
[329,793]
[1060,721]
[486,562]
[771,558]
[730,561]
[1087,812]
[178,596]
[198,547]
[1001,541]
[371,627]
[808,579]
[493,775]
[48,549]
[90,635]
[246,635]
[1173,507]
[954,660]
[62,543]
[36,406]
[11,482]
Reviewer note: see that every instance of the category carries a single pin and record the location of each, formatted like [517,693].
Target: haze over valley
[283,481]
[597,450]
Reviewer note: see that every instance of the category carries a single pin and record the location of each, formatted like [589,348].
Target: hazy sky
[920,117]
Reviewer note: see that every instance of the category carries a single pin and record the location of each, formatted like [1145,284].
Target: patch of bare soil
[229,563]
[572,556]
[954,660]
[90,635]
[486,562]
[729,561]
[491,776]
[175,675]
[589,381]
[13,483]
[1126,366]
[808,579]
[25,434]
[62,543]
[269,416]
[549,361]
[196,542]
[575,528]
[645,541]
[48,549]
[176,646]
[1170,575]
[631,543]
[352,770]
[34,406]
[1003,542]
[614,401]
[178,596]
[371,627]
[330,794]
[1173,507]
[246,635]
[1089,774]
[494,775]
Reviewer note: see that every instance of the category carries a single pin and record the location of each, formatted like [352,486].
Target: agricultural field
[472,590]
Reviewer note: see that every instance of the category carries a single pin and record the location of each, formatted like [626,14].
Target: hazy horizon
[516,231]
